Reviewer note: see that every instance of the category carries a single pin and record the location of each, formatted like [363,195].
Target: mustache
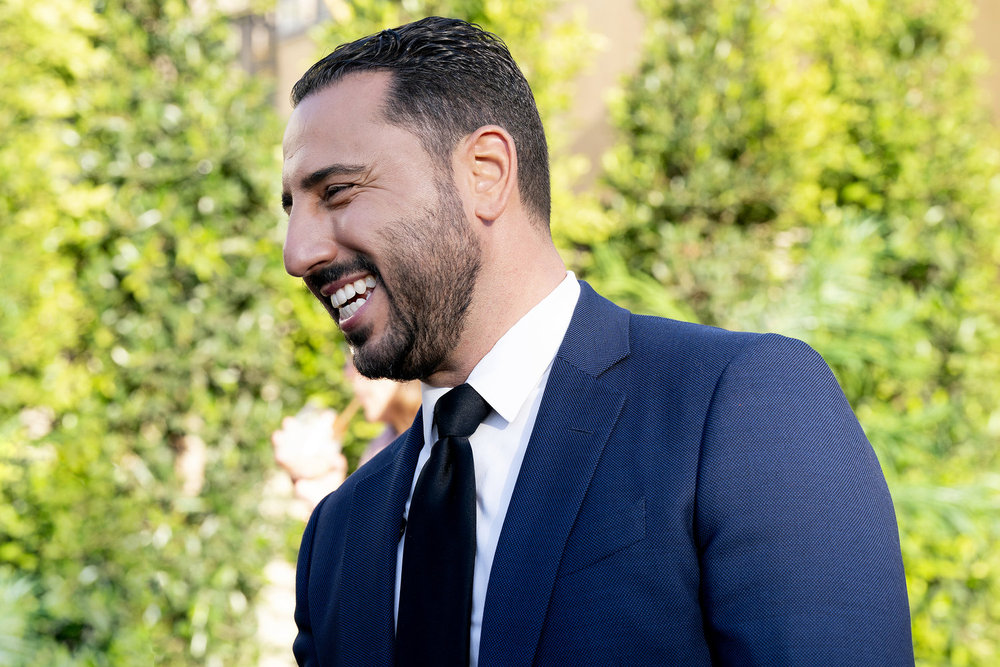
[334,272]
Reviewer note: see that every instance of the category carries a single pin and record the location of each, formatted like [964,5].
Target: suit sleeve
[304,647]
[796,532]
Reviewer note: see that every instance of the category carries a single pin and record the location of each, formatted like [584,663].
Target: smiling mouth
[349,298]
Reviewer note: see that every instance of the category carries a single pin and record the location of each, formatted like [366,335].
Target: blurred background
[825,169]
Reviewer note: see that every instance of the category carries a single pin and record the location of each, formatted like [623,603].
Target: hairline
[433,141]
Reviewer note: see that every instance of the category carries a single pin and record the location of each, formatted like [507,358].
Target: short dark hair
[449,78]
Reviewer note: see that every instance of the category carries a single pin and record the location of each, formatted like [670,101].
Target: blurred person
[582,486]
[393,403]
[308,445]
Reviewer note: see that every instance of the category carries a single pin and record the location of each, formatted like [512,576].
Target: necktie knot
[459,412]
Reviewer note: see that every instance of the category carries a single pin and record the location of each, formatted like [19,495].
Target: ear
[489,159]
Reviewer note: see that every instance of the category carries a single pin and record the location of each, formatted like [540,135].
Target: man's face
[377,232]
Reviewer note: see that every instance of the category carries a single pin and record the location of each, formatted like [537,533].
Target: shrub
[143,295]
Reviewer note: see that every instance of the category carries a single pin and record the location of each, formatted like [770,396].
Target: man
[646,492]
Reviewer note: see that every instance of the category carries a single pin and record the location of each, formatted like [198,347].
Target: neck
[504,294]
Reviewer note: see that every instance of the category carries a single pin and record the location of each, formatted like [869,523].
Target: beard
[428,284]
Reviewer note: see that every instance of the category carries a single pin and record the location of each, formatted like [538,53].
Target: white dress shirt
[511,378]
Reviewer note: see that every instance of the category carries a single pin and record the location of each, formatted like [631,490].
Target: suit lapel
[365,624]
[576,416]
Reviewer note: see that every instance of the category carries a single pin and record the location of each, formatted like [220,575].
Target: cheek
[362,223]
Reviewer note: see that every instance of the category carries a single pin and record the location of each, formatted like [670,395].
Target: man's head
[379,234]
[448,78]
[404,192]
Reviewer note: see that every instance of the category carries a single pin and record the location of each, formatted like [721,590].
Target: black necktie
[435,597]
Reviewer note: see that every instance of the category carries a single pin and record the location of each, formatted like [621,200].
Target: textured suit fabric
[689,496]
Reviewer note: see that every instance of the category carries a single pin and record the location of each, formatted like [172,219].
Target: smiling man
[383,203]
[582,485]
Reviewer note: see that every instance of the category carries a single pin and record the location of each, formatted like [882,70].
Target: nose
[309,243]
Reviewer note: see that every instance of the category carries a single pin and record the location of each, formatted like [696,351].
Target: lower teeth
[351,308]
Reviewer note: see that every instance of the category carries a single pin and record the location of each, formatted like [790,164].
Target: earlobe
[492,156]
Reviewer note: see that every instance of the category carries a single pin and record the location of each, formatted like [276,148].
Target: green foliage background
[144,313]
[824,169]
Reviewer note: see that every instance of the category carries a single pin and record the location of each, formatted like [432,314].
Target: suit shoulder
[652,326]
[702,346]
[688,351]
[662,333]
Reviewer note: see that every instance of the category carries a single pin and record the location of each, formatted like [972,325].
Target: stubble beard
[434,264]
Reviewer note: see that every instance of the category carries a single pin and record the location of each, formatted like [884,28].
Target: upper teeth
[348,292]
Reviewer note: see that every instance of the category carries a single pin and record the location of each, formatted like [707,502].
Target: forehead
[340,115]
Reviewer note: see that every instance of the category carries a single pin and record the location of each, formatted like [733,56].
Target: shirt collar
[506,376]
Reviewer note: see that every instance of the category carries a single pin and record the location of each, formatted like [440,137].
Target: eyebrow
[310,180]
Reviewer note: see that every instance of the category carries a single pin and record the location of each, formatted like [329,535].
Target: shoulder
[614,342]
[688,350]
[689,338]
[597,316]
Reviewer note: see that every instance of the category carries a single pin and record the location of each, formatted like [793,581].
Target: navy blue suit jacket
[689,496]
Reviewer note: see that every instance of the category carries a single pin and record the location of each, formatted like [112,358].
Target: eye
[332,191]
